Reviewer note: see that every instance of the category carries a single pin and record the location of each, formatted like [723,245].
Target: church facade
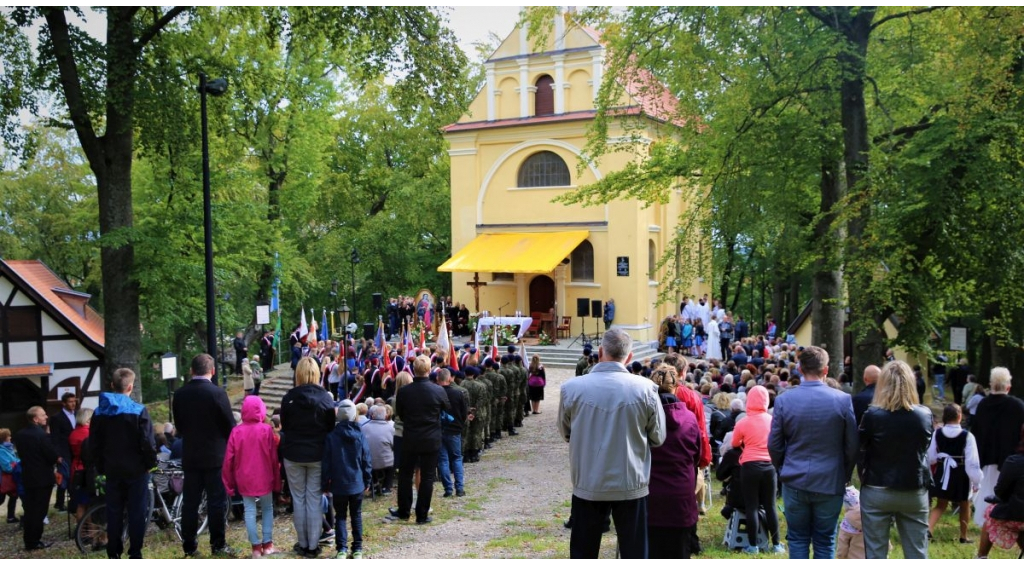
[517,148]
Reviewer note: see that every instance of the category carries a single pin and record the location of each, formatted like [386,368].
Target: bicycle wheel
[204,518]
[91,531]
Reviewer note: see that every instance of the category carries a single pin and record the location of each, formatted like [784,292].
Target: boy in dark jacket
[346,472]
[122,444]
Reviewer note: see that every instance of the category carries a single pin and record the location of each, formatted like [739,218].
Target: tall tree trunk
[856,28]
[826,302]
[779,300]
[793,303]
[730,258]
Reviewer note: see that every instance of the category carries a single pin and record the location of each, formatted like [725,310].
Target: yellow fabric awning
[526,253]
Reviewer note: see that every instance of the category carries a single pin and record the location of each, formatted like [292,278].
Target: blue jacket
[8,457]
[346,467]
[814,438]
[609,312]
[121,437]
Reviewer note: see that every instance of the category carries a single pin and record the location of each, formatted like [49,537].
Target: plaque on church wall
[622,266]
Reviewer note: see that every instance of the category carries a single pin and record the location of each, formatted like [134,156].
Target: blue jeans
[940,384]
[811,518]
[131,494]
[449,460]
[267,507]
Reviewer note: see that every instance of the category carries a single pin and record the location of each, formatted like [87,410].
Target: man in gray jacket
[611,419]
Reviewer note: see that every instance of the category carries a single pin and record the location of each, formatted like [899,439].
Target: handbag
[7,484]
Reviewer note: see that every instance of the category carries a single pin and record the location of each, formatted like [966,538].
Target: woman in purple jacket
[672,502]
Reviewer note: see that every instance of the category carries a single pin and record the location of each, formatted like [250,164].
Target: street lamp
[215,87]
[343,313]
[355,261]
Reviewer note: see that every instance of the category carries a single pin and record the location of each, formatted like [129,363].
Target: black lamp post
[343,313]
[215,87]
[355,261]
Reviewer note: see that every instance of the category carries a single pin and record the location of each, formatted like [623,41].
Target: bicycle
[91,531]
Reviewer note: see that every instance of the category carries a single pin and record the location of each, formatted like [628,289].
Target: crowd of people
[333,438]
[361,420]
[772,415]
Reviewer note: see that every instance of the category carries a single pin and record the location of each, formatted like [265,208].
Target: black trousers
[12,503]
[588,517]
[348,506]
[427,461]
[669,542]
[35,504]
[759,491]
[131,494]
[198,481]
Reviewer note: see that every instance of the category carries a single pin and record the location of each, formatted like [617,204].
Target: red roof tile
[43,281]
[26,370]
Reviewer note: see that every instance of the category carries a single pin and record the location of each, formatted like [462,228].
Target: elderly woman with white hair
[996,426]
[380,436]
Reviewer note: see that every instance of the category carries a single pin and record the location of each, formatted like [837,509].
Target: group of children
[252,469]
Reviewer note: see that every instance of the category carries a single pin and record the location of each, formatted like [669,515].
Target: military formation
[497,399]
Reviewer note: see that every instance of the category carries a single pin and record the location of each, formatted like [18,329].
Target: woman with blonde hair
[895,434]
[307,416]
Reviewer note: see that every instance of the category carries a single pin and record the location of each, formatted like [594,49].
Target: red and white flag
[303,328]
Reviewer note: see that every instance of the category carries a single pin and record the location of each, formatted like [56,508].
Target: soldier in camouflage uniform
[583,362]
[524,408]
[500,391]
[512,381]
[479,405]
[458,377]
[487,406]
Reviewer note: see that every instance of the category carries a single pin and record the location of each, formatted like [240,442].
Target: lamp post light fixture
[355,261]
[215,87]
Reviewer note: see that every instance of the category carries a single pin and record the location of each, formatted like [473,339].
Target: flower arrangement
[545,339]
[419,328]
[507,335]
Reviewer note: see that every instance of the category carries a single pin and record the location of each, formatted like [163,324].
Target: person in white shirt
[714,340]
[704,311]
[954,455]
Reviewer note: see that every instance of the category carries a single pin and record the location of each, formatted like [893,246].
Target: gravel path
[517,497]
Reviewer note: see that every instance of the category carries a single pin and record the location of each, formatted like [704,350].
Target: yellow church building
[517,148]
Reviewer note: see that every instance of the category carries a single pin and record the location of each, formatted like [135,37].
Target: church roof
[46,288]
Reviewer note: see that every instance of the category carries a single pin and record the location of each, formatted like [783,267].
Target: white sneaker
[46,520]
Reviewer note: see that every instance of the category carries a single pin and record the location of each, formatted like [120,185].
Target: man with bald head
[38,457]
[862,400]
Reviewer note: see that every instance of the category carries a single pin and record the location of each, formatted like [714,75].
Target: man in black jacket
[241,351]
[37,459]
[122,444]
[419,406]
[452,421]
[61,426]
[203,415]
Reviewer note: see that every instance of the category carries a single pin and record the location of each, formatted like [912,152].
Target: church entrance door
[542,294]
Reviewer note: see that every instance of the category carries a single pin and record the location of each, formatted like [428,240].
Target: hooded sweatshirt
[251,467]
[751,432]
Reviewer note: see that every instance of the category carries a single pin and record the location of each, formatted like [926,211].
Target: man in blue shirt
[813,442]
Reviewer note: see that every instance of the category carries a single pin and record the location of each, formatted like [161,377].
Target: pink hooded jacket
[251,467]
[752,431]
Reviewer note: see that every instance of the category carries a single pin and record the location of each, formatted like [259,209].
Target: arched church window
[582,262]
[543,169]
[544,97]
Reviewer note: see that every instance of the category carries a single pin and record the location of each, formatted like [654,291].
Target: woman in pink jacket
[758,474]
[251,468]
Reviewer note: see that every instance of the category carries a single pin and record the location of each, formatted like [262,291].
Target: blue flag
[378,339]
[323,326]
